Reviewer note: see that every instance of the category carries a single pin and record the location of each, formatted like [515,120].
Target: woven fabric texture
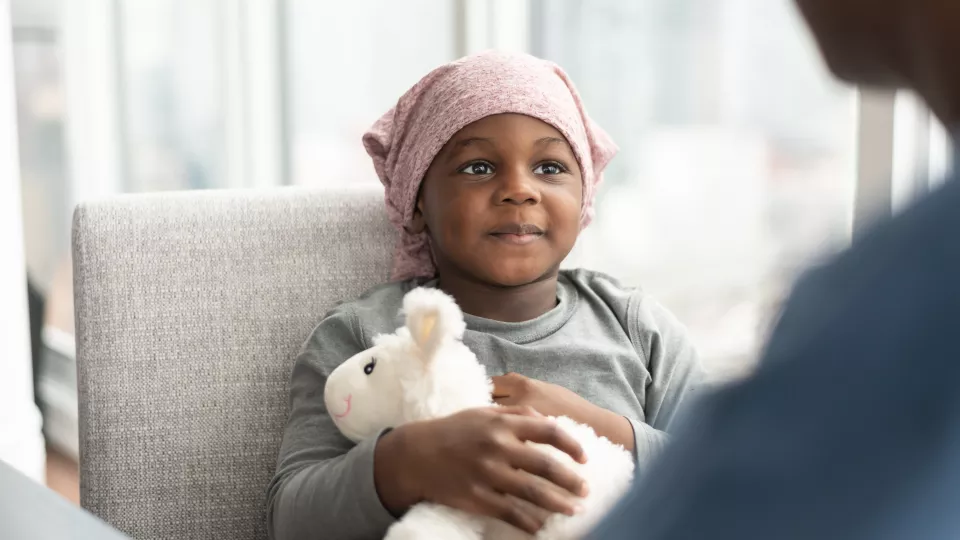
[191,308]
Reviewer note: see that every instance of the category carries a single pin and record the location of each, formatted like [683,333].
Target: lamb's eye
[368,369]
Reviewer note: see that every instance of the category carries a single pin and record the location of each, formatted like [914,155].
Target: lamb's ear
[432,317]
[423,328]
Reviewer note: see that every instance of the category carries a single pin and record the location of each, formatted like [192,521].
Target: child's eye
[550,168]
[368,369]
[478,168]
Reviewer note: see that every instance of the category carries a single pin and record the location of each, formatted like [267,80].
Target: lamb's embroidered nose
[346,412]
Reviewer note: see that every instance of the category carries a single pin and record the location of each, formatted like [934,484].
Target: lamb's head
[422,371]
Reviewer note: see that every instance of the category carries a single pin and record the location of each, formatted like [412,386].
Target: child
[490,166]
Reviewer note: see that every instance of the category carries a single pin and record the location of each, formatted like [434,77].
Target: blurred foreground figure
[851,426]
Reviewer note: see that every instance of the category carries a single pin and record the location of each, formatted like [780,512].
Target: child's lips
[517,239]
[518,233]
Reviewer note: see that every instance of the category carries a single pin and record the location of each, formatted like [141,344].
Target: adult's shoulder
[897,279]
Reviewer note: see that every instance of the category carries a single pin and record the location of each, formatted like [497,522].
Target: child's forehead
[511,128]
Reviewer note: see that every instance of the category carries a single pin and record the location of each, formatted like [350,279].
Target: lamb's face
[396,379]
[363,395]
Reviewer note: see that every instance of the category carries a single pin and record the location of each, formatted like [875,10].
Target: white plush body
[424,371]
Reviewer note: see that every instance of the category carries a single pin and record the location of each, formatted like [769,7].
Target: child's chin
[518,277]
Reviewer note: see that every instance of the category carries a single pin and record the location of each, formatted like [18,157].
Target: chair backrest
[191,308]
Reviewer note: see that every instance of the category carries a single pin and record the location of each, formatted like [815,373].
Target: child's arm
[669,359]
[324,486]
[675,371]
[514,389]
[476,461]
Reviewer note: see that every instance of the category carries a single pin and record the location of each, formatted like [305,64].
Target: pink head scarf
[404,142]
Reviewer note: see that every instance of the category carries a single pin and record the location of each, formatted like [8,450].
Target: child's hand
[514,389]
[477,461]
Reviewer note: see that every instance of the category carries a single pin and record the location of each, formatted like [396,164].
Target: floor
[63,476]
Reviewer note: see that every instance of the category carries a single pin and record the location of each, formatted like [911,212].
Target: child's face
[501,201]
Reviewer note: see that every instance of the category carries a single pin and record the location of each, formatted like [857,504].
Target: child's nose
[518,186]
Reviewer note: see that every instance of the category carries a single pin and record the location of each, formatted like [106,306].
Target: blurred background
[742,161]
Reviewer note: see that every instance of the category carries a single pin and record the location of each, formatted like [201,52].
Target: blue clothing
[850,428]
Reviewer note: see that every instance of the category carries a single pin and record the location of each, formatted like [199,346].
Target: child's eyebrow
[463,143]
[547,141]
[458,146]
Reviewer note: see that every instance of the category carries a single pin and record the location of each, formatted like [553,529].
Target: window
[171,86]
[347,64]
[738,150]
[40,117]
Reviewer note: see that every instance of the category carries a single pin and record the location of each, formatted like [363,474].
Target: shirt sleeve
[676,374]
[323,486]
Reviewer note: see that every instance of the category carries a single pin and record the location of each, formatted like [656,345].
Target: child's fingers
[534,489]
[519,410]
[545,431]
[498,506]
[537,462]
[537,512]
[502,385]
[511,384]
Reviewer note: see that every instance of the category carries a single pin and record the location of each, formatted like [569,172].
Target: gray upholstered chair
[190,309]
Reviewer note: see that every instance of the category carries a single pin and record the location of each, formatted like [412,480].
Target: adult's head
[893,43]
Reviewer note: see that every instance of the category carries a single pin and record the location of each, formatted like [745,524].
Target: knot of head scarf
[405,140]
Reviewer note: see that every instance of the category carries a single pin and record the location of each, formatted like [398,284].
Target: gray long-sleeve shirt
[615,347]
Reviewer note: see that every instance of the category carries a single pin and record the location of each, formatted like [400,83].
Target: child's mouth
[518,233]
[517,239]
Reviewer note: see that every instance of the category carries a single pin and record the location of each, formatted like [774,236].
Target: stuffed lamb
[424,371]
